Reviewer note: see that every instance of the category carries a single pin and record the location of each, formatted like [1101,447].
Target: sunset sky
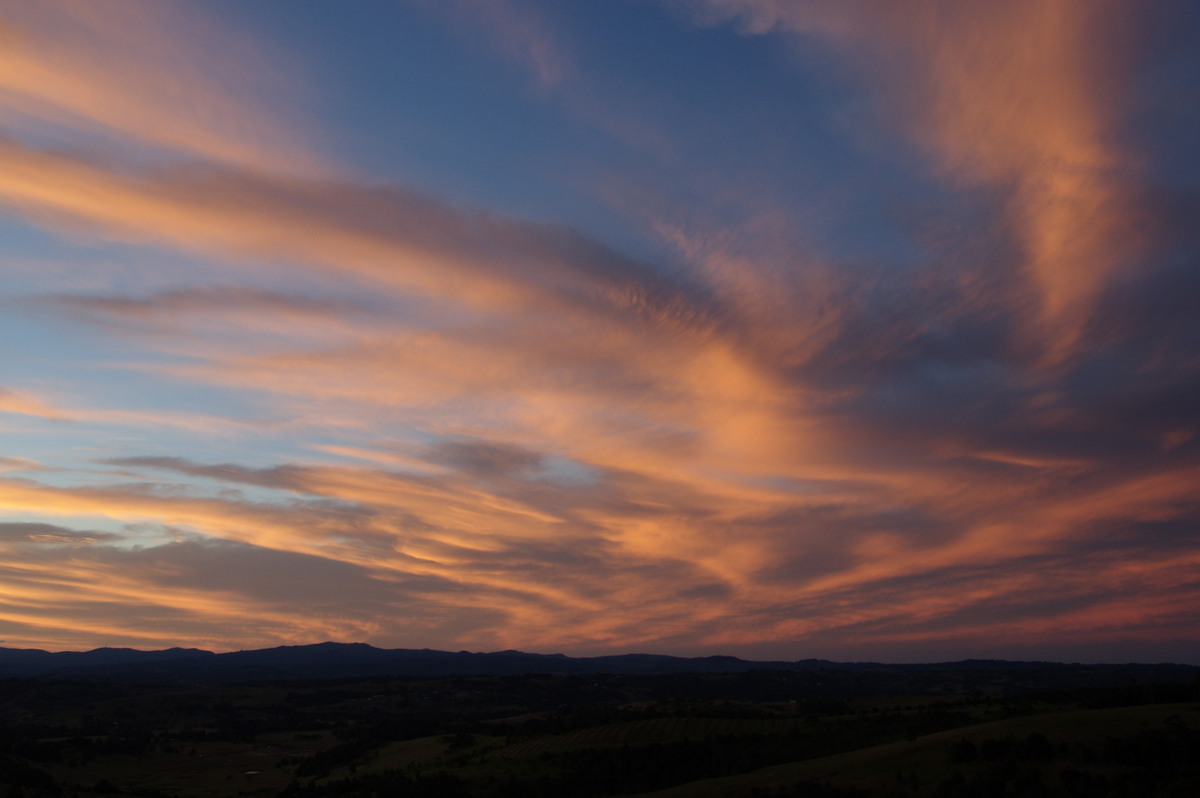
[774,328]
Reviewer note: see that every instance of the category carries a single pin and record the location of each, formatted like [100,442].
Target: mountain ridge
[355,660]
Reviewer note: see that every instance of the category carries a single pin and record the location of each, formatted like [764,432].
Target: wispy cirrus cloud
[203,589]
[142,75]
[49,534]
[20,464]
[621,561]
[24,404]
[493,431]
[1021,98]
[526,36]
[517,31]
[404,240]
[708,451]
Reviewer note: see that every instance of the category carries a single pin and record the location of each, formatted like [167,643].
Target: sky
[772,328]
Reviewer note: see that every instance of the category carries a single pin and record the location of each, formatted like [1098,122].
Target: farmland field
[753,734]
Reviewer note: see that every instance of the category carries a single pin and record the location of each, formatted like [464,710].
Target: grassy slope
[874,769]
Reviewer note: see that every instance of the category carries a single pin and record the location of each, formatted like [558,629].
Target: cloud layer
[349,408]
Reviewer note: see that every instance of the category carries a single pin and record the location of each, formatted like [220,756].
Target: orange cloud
[135,595]
[23,404]
[1021,96]
[676,431]
[144,72]
[712,468]
[568,447]
[404,241]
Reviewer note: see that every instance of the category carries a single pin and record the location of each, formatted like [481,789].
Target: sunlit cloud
[143,74]
[366,411]
[20,464]
[24,404]
[1018,97]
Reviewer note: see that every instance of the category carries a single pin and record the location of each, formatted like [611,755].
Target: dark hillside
[351,660]
[824,732]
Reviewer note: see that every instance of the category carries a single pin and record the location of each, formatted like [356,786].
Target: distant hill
[357,660]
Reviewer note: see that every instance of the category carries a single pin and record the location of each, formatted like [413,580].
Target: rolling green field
[529,736]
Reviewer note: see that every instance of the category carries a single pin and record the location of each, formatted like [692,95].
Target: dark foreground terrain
[825,733]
